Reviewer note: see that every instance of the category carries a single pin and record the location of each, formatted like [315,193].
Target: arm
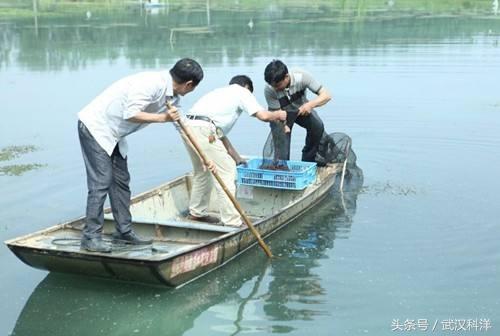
[232,151]
[143,91]
[321,99]
[271,116]
[249,103]
[171,115]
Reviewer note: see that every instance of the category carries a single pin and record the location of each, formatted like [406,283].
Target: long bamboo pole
[224,187]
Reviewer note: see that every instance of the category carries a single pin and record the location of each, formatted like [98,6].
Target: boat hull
[189,253]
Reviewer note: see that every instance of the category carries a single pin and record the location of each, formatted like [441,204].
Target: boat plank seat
[180,224]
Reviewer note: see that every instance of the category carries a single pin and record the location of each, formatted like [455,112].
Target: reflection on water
[146,40]
[287,288]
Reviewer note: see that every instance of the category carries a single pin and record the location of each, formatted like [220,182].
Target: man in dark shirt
[287,91]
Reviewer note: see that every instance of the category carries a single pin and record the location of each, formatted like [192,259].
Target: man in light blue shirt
[125,107]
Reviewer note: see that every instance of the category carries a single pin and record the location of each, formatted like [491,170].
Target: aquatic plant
[13,152]
[19,169]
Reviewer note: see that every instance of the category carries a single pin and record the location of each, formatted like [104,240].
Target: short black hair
[242,80]
[275,72]
[185,70]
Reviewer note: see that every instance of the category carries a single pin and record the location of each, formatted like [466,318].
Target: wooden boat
[245,281]
[182,250]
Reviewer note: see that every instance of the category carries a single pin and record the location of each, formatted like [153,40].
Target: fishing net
[333,148]
[277,148]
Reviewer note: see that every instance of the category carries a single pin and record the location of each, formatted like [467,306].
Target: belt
[218,130]
[199,117]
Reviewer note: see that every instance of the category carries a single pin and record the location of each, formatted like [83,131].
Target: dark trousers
[314,127]
[106,175]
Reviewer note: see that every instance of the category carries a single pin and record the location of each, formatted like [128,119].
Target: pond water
[418,94]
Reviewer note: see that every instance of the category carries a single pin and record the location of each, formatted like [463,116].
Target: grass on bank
[56,8]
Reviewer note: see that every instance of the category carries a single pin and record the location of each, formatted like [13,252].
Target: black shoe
[95,245]
[206,219]
[130,238]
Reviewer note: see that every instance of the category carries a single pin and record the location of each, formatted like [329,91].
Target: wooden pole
[224,187]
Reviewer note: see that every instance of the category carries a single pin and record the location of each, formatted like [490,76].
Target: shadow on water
[286,288]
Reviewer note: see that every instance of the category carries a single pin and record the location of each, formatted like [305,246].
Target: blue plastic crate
[300,175]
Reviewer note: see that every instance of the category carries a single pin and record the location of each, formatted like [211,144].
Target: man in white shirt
[125,107]
[210,120]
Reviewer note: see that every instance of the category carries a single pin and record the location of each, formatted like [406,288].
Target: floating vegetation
[13,152]
[19,169]
[388,188]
